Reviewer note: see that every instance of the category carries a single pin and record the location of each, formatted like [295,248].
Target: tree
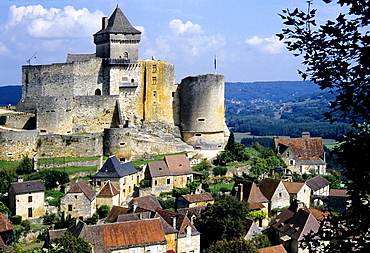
[337,56]
[235,246]
[67,243]
[7,177]
[52,178]
[224,220]
[4,209]
[260,241]
[259,166]
[103,211]
[25,167]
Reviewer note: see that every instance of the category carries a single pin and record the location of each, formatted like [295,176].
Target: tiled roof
[189,211]
[136,216]
[293,187]
[79,186]
[182,221]
[343,193]
[251,193]
[148,202]
[178,164]
[133,233]
[115,211]
[5,247]
[118,23]
[112,168]
[268,187]
[28,186]
[108,190]
[303,148]
[193,198]
[158,169]
[273,249]
[5,224]
[317,183]
[319,215]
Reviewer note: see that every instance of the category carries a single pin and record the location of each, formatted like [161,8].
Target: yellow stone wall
[22,205]
[180,181]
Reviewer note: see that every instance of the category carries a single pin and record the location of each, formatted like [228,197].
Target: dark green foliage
[263,141]
[202,166]
[274,161]
[192,186]
[93,219]
[224,189]
[261,241]
[333,178]
[265,152]
[51,218]
[51,178]
[65,221]
[235,246]
[70,244]
[223,158]
[180,191]
[145,183]
[259,166]
[26,224]
[16,219]
[168,203]
[219,171]
[103,211]
[297,177]
[4,209]
[25,167]
[224,220]
[7,177]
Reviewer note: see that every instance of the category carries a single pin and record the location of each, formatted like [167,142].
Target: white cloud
[54,23]
[178,27]
[271,45]
[3,49]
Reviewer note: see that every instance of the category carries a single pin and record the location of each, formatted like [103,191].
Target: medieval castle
[112,103]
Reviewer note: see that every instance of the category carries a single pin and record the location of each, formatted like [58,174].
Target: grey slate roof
[112,168]
[317,182]
[28,186]
[118,23]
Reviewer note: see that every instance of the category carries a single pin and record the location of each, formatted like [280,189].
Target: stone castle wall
[21,121]
[16,144]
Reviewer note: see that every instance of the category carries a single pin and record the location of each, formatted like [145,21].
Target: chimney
[306,135]
[104,22]
[20,179]
[100,162]
[241,191]
[134,206]
[173,222]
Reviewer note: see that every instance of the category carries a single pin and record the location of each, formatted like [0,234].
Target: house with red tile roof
[302,155]
[108,195]
[291,225]
[27,199]
[273,249]
[79,201]
[298,191]
[194,200]
[6,231]
[275,191]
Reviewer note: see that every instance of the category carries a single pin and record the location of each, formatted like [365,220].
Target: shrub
[145,183]
[16,219]
[93,220]
[103,211]
[168,203]
[219,171]
[26,224]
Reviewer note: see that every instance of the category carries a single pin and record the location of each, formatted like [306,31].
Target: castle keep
[124,106]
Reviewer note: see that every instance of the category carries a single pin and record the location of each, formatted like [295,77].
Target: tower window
[97,92]
[154,93]
[154,69]
[154,80]
[201,119]
[198,134]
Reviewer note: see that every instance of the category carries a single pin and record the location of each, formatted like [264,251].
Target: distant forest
[281,108]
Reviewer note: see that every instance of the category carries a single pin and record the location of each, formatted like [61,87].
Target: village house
[108,195]
[302,155]
[123,176]
[27,199]
[79,201]
[250,193]
[145,203]
[320,187]
[275,191]
[6,232]
[291,225]
[194,200]
[298,191]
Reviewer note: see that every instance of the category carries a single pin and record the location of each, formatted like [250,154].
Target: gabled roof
[118,23]
[182,221]
[190,211]
[317,183]
[148,202]
[5,224]
[79,186]
[303,148]
[108,190]
[28,186]
[112,168]
[115,211]
[273,249]
[178,164]
[339,193]
[319,215]
[251,193]
[268,187]
[293,187]
[133,234]
[193,198]
[158,169]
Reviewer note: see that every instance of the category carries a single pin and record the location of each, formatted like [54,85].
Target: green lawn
[6,165]
[76,169]
[217,187]
[62,160]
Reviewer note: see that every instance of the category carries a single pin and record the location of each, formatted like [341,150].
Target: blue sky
[187,33]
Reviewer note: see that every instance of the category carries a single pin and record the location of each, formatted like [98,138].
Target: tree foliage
[224,220]
[25,167]
[261,241]
[67,243]
[103,211]
[51,178]
[235,246]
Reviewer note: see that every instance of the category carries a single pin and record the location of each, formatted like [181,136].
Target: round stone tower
[202,111]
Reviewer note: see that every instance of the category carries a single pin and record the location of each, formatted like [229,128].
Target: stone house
[79,201]
[180,169]
[291,225]
[194,200]
[108,195]
[249,192]
[302,155]
[145,203]
[320,187]
[123,176]
[27,199]
[6,231]
[298,191]
[138,236]
[275,191]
